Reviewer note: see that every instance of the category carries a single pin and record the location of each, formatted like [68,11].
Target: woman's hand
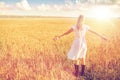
[56,38]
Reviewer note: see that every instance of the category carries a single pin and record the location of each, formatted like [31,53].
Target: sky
[65,8]
[36,1]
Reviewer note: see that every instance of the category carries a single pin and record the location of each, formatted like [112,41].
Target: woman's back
[80,33]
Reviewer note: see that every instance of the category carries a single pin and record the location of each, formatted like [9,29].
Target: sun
[101,13]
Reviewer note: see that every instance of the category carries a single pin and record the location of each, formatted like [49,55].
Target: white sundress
[79,46]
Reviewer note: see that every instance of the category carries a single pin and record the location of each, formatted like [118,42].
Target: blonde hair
[80,22]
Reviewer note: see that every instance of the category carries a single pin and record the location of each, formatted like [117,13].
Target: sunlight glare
[101,13]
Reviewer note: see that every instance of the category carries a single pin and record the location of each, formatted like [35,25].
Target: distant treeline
[21,16]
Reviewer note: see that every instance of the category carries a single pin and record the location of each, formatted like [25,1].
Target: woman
[79,46]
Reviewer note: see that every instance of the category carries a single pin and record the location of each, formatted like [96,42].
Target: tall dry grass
[27,51]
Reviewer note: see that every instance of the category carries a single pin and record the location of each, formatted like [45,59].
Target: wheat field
[28,52]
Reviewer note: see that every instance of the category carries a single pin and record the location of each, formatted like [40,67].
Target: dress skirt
[77,50]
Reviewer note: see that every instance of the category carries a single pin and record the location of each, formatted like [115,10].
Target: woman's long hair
[80,22]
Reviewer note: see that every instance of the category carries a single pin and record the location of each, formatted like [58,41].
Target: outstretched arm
[103,37]
[66,33]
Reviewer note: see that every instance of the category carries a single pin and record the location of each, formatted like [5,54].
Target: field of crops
[28,52]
